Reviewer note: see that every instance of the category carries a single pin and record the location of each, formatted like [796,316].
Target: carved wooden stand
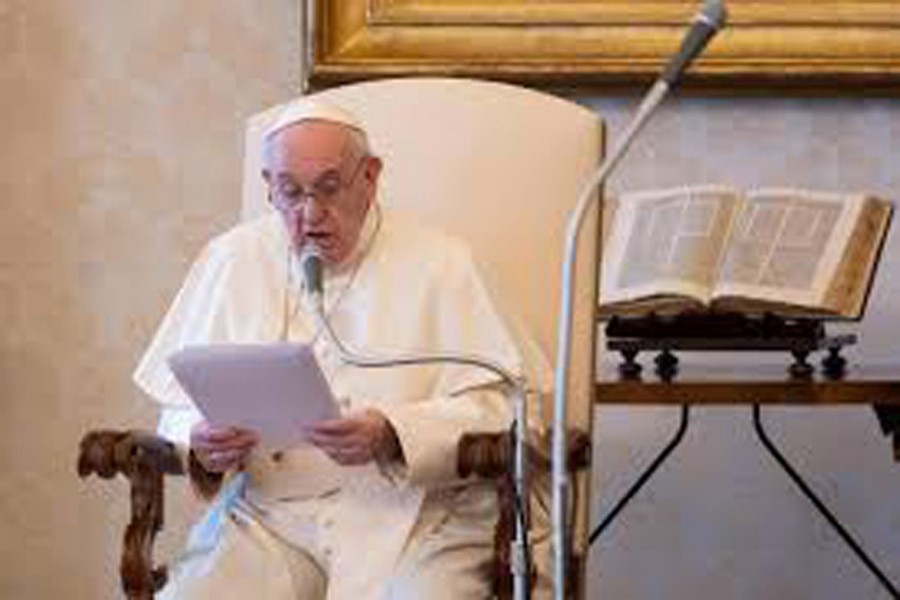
[714,331]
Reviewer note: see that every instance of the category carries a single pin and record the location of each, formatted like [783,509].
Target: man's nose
[313,209]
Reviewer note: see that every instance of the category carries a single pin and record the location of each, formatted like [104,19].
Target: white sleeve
[191,317]
[429,431]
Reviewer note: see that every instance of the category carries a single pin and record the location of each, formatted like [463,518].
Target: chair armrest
[489,455]
[144,459]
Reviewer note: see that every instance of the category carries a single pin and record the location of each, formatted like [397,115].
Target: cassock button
[277,456]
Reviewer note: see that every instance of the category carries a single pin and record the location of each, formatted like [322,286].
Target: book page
[849,287]
[667,242]
[787,244]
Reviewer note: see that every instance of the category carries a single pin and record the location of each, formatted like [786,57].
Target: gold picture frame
[850,44]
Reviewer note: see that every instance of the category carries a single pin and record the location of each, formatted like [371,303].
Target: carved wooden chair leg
[144,459]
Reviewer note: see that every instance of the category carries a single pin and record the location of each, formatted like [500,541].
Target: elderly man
[373,507]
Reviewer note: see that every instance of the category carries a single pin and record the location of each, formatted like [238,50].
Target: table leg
[820,506]
[645,476]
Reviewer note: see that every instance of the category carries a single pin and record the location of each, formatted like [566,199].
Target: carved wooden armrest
[489,456]
[144,459]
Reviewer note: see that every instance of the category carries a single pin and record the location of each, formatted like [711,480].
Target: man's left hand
[357,438]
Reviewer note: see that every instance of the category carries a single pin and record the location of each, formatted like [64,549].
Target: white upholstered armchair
[496,164]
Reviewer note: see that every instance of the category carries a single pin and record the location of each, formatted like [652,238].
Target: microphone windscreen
[706,24]
[311,264]
[714,13]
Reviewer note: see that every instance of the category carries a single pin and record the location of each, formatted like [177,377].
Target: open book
[786,251]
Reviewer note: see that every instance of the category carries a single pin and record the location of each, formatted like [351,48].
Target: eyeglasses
[287,196]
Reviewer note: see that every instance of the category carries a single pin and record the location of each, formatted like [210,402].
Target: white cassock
[405,289]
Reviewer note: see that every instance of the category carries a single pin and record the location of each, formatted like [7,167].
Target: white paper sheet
[276,390]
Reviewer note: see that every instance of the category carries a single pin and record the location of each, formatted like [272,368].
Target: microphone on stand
[311,265]
[706,24]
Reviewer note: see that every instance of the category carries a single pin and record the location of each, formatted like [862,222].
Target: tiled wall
[122,124]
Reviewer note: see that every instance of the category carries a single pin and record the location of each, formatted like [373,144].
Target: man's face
[321,185]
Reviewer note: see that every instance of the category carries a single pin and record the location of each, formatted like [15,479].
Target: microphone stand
[519,551]
[705,26]
[559,477]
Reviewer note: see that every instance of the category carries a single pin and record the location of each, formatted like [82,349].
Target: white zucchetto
[306,109]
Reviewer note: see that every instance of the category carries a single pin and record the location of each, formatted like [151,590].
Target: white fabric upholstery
[499,165]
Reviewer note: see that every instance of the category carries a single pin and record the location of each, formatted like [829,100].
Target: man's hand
[357,438]
[220,450]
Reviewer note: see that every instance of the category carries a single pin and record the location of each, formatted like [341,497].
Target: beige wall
[122,124]
[120,154]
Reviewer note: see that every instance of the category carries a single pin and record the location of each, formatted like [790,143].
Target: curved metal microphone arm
[709,20]
[311,264]
[587,197]
[519,552]
[401,360]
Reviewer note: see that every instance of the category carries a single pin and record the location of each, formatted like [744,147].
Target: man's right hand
[221,449]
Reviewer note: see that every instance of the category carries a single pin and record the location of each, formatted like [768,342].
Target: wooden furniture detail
[145,459]
[561,43]
[757,384]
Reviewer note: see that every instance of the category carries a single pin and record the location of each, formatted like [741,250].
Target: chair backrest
[500,166]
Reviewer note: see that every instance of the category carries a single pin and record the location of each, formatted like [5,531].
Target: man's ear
[373,169]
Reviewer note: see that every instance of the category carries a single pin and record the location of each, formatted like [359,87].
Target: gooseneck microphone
[311,264]
[708,21]
[312,277]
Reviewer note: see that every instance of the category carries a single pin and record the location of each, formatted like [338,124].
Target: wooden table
[752,384]
[757,386]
